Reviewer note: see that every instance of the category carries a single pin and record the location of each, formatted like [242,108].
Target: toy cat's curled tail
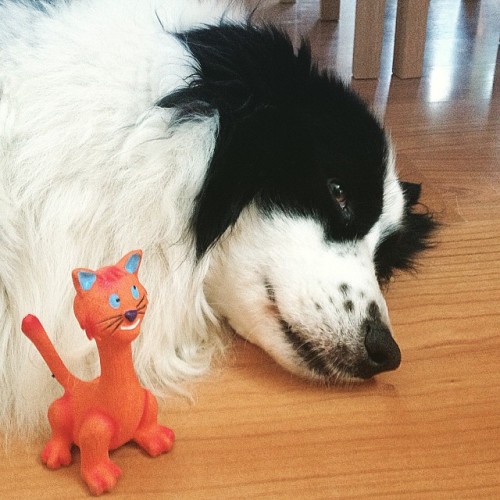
[34,330]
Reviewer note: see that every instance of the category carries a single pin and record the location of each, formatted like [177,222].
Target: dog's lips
[324,367]
[306,350]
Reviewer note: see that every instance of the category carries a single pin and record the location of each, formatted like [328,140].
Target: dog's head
[301,209]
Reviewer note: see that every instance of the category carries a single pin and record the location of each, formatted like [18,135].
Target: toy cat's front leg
[98,471]
[57,451]
[152,437]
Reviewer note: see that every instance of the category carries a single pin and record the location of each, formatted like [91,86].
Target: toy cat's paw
[156,439]
[56,453]
[101,477]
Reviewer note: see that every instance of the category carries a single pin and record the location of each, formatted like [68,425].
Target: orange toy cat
[102,414]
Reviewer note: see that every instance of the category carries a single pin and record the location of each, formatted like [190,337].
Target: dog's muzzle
[377,352]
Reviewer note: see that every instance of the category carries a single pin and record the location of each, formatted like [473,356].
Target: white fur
[89,169]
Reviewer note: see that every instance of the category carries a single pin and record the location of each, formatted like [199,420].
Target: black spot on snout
[373,311]
[270,291]
[344,289]
[349,306]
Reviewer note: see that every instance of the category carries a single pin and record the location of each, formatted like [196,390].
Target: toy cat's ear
[131,261]
[83,279]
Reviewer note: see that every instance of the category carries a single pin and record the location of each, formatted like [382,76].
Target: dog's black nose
[383,353]
[131,315]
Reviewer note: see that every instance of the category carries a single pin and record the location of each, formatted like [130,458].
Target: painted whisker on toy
[116,316]
[118,320]
[116,328]
[141,304]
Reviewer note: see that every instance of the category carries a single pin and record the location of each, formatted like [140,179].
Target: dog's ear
[242,162]
[400,249]
[411,192]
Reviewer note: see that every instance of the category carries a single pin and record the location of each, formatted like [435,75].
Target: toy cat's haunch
[105,413]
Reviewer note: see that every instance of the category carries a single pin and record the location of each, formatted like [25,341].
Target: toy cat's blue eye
[135,292]
[114,301]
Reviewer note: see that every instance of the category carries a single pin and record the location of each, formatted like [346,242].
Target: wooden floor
[428,430]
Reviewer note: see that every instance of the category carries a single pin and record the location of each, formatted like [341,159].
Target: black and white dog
[262,191]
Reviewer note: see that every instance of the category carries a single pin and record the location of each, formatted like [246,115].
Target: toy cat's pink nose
[131,315]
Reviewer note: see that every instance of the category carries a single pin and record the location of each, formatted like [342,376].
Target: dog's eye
[337,192]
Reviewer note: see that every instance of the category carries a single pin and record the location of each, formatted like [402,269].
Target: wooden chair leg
[409,43]
[330,10]
[368,35]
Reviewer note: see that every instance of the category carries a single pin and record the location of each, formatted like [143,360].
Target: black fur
[400,248]
[307,350]
[287,131]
